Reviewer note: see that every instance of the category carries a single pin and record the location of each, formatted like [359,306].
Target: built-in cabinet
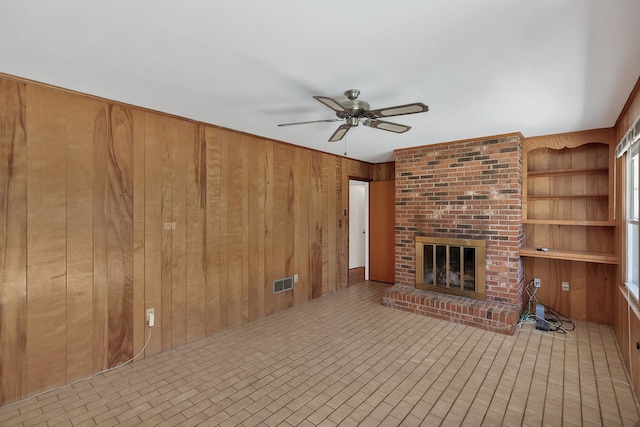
[568,215]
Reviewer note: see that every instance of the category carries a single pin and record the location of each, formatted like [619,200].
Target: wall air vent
[282,285]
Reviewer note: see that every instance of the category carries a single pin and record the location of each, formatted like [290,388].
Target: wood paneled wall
[13,241]
[591,295]
[626,321]
[108,210]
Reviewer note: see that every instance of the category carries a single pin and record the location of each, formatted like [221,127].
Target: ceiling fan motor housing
[354,110]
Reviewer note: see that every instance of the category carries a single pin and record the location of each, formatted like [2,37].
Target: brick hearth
[492,316]
[467,190]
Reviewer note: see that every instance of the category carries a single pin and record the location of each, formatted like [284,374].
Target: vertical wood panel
[234,199]
[256,204]
[342,204]
[196,236]
[153,225]
[213,142]
[166,314]
[225,171]
[383,171]
[356,169]
[120,235]
[101,138]
[46,259]
[280,219]
[287,161]
[562,271]
[316,225]
[13,242]
[579,290]
[139,320]
[329,219]
[269,221]
[600,295]
[244,294]
[83,114]
[302,243]
[182,135]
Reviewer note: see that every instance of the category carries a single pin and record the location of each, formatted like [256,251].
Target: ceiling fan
[355,110]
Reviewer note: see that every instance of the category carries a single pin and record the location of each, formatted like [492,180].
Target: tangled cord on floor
[557,322]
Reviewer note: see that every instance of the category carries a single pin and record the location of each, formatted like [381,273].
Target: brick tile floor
[346,360]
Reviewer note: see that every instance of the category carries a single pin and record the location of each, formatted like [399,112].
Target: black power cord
[551,316]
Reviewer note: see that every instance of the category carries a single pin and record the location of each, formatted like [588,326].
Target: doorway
[358,231]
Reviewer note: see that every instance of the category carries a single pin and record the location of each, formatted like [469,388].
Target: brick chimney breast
[468,189]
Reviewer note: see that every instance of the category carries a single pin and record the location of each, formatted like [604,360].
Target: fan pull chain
[345,145]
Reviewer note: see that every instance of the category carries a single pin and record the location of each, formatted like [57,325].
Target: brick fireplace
[462,190]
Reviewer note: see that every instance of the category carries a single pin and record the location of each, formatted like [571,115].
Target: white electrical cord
[86,378]
[524,326]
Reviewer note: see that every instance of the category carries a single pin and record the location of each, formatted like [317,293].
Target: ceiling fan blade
[400,110]
[306,123]
[340,132]
[391,127]
[331,103]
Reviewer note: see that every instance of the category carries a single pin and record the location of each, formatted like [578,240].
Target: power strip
[541,322]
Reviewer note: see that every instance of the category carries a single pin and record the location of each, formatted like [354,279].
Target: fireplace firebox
[454,266]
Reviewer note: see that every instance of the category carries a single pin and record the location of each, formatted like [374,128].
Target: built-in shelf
[570,197]
[569,222]
[571,255]
[568,201]
[546,214]
[582,171]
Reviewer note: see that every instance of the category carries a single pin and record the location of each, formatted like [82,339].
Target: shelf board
[584,171]
[569,255]
[570,197]
[569,222]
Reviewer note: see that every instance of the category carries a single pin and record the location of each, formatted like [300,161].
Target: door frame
[366,182]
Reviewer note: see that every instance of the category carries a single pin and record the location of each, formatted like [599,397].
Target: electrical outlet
[150,317]
[537,283]
[565,286]
[295,278]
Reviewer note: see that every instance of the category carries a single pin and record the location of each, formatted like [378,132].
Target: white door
[358,219]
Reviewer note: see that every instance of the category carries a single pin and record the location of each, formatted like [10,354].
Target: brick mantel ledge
[489,315]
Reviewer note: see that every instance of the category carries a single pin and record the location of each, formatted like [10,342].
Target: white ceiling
[483,67]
